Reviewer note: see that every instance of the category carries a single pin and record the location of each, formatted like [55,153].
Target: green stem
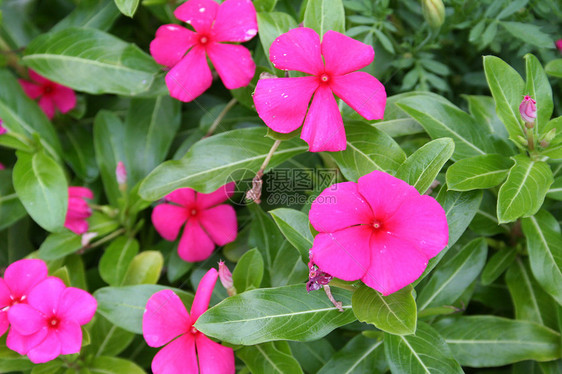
[12,59]
[219,118]
[106,239]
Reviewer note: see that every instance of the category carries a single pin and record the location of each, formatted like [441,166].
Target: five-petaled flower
[206,222]
[185,51]
[78,209]
[379,230]
[166,320]
[282,103]
[51,95]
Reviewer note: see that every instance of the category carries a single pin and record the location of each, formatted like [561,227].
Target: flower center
[17,300]
[324,78]
[203,39]
[193,212]
[48,89]
[376,224]
[194,330]
[53,322]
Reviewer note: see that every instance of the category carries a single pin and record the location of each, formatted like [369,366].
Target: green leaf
[424,352]
[554,68]
[479,172]
[483,108]
[507,88]
[312,355]
[116,260]
[91,61]
[395,313]
[360,355]
[127,7]
[497,264]
[367,149]
[448,282]
[324,15]
[555,190]
[485,221]
[113,365]
[523,192]
[481,341]
[264,5]
[294,225]
[538,88]
[263,315]
[107,339]
[271,26]
[528,33]
[145,268]
[41,186]
[11,209]
[422,167]
[79,152]
[266,358]
[124,306]
[289,267]
[544,244]
[214,161]
[96,14]
[248,272]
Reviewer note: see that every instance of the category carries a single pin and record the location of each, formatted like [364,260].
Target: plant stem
[255,193]
[219,118]
[106,239]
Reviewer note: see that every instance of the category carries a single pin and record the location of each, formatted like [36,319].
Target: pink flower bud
[121,173]
[559,45]
[226,278]
[528,109]
[87,238]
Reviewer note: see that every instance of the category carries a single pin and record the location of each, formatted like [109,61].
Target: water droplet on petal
[201,10]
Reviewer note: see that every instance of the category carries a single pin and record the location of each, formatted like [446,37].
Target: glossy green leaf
[91,61]
[538,87]
[262,315]
[394,314]
[424,352]
[481,341]
[107,339]
[368,149]
[11,209]
[289,267]
[544,244]
[485,222]
[266,358]
[361,355]
[422,167]
[450,279]
[324,15]
[116,260]
[145,268]
[523,192]
[214,161]
[294,225]
[41,186]
[113,365]
[483,108]
[554,68]
[127,7]
[555,190]
[479,172]
[271,25]
[96,14]
[264,5]
[248,272]
[497,264]
[102,224]
[79,152]
[312,355]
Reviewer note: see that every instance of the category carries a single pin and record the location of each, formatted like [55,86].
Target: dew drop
[201,10]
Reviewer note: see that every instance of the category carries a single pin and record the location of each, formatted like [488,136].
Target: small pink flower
[206,222]
[185,51]
[49,324]
[166,320]
[3,130]
[51,95]
[559,45]
[283,103]
[528,109]
[379,230]
[19,278]
[78,209]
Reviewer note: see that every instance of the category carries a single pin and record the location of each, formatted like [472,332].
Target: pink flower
[19,278]
[166,320]
[3,130]
[78,209]
[51,95]
[186,51]
[559,45]
[379,230]
[282,103]
[2,167]
[528,109]
[121,173]
[206,222]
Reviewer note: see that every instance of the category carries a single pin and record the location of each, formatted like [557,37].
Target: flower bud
[226,279]
[87,238]
[559,45]
[528,111]
[522,140]
[433,12]
[121,174]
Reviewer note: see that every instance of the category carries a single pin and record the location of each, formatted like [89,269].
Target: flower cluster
[51,95]
[44,316]
[78,209]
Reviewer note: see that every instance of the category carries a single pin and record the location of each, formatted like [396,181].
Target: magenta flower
[78,209]
[559,45]
[51,95]
[49,324]
[166,320]
[19,278]
[185,51]
[3,130]
[528,109]
[379,230]
[282,103]
[206,222]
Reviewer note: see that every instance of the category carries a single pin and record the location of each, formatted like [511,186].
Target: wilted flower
[528,109]
[51,95]
[78,209]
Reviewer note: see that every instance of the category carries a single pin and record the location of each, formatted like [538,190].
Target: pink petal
[164,318]
[233,63]
[23,275]
[32,90]
[22,344]
[77,305]
[178,357]
[77,226]
[198,13]
[45,296]
[422,222]
[47,105]
[171,43]
[214,358]
[345,254]
[168,220]
[298,49]
[203,294]
[25,319]
[47,350]
[78,208]
[70,336]
[191,76]
[395,263]
[195,245]
[343,54]
[282,102]
[38,78]
[220,223]
[385,193]
[236,21]
[338,207]
[4,323]
[207,200]
[80,192]
[64,98]
[361,91]
[5,294]
[182,196]
[323,127]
